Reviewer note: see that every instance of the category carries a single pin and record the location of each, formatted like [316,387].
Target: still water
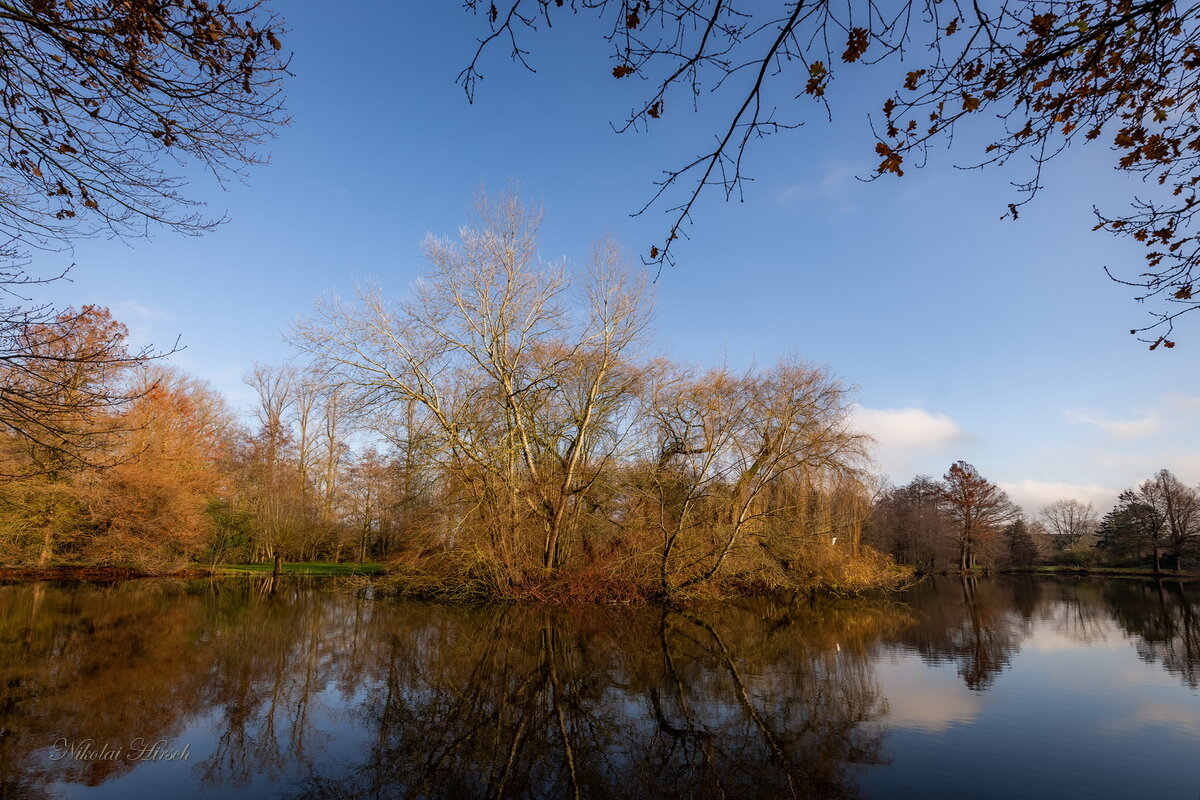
[1004,688]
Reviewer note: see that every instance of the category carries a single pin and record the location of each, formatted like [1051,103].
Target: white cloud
[125,310]
[926,699]
[1172,412]
[141,321]
[1188,404]
[1033,495]
[836,182]
[905,435]
[1153,714]
[1139,428]
[908,427]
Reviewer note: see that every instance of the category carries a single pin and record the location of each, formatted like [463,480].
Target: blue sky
[998,342]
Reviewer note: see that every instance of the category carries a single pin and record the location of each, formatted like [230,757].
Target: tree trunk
[550,554]
[47,546]
[278,564]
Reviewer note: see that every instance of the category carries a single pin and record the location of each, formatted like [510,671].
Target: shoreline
[1057,571]
[447,593]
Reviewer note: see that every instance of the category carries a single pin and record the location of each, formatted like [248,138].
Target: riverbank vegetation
[505,431]
[501,432]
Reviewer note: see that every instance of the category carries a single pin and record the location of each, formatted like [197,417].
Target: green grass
[309,568]
[1101,570]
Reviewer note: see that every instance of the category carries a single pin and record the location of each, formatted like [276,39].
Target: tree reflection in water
[554,703]
[1163,617]
[303,692]
[978,625]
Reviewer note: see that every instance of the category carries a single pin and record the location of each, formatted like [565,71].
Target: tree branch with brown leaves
[99,97]
[1049,72]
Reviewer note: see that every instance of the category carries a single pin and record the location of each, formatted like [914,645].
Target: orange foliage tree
[61,405]
[150,509]
[106,460]
[979,509]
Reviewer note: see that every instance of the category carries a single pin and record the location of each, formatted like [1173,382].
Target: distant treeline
[965,520]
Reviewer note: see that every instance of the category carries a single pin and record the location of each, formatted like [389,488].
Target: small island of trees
[504,432]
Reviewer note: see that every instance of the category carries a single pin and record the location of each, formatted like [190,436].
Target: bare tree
[550,456]
[333,450]
[1179,505]
[519,398]
[728,445]
[1070,522]
[1148,510]
[277,513]
[693,422]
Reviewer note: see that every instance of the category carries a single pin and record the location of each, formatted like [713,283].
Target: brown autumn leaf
[970,103]
[1164,341]
[817,75]
[891,159]
[632,20]
[910,80]
[654,251]
[1041,24]
[856,45]
[655,111]
[1184,293]
[622,70]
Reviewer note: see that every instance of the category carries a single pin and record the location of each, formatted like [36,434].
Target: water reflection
[537,702]
[297,691]
[976,624]
[1163,618]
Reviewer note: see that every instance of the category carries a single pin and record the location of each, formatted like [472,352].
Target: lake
[994,687]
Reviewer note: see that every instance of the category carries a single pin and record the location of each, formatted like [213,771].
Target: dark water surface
[1005,688]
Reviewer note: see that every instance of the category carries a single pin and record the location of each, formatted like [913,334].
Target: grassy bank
[320,568]
[1110,572]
